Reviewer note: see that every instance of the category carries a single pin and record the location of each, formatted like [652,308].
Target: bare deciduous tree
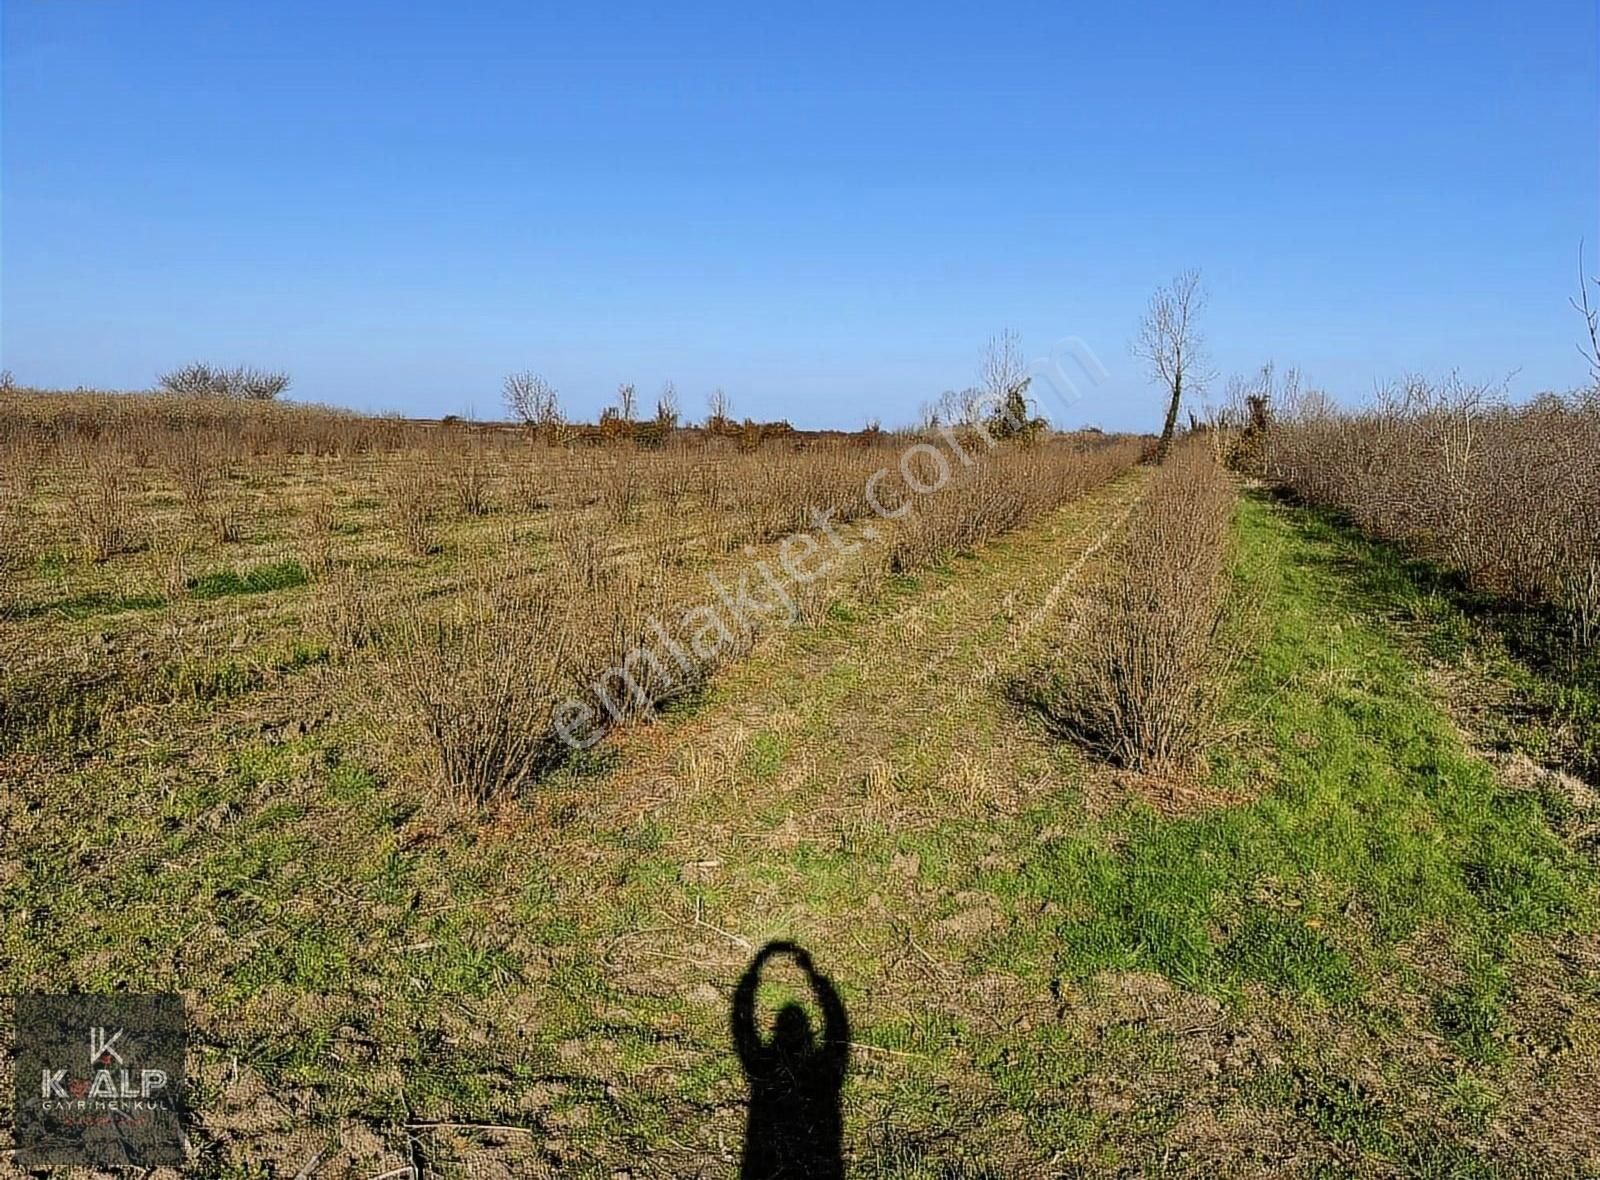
[1003,374]
[719,406]
[627,401]
[532,400]
[1170,341]
[199,379]
[667,406]
[961,407]
[1591,321]
[1005,380]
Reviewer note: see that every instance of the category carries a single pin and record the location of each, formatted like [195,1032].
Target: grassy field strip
[1000,948]
[796,799]
[582,933]
[774,680]
[1005,656]
[258,642]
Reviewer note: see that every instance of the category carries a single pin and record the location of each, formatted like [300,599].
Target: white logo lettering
[101,1047]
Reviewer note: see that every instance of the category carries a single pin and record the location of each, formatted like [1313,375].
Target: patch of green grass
[91,603]
[1470,1013]
[303,654]
[840,611]
[532,964]
[1529,648]
[52,563]
[255,765]
[765,755]
[346,782]
[645,836]
[687,702]
[52,709]
[1342,1111]
[206,681]
[280,575]
[1371,822]
[1288,953]
[1469,1101]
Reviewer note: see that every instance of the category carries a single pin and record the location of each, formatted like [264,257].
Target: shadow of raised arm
[794,1127]
[742,1019]
[835,1023]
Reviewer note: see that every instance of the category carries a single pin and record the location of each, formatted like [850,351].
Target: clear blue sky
[825,209]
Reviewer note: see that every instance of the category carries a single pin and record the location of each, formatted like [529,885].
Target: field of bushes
[1505,499]
[1227,813]
[473,578]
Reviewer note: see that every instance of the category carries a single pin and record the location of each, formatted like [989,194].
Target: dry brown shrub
[1138,683]
[18,530]
[103,507]
[413,506]
[147,426]
[621,489]
[674,475]
[467,470]
[226,519]
[669,547]
[585,552]
[711,484]
[316,535]
[482,681]
[531,483]
[174,554]
[344,610]
[482,678]
[583,547]
[1581,598]
[194,469]
[998,492]
[197,460]
[480,684]
[1507,495]
[613,633]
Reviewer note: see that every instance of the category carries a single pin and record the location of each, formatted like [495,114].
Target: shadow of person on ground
[795,1130]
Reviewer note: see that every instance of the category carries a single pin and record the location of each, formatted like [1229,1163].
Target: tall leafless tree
[1591,321]
[627,401]
[667,406]
[1004,375]
[532,400]
[1005,380]
[718,404]
[1171,343]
